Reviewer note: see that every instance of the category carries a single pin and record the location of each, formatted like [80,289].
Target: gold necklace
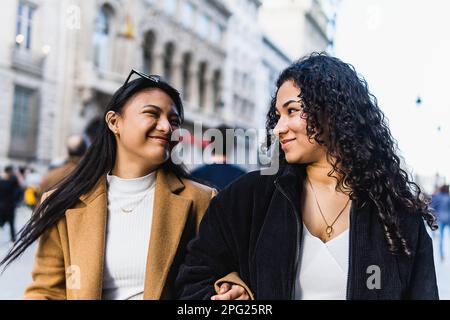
[329,229]
[130,210]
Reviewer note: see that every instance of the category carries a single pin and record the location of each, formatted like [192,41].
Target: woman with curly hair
[339,220]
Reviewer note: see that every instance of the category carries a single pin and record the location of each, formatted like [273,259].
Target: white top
[323,268]
[127,236]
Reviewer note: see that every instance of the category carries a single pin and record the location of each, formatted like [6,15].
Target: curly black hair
[344,116]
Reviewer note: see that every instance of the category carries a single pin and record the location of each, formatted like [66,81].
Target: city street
[14,280]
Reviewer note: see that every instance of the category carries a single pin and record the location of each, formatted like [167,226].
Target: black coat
[8,198]
[254,227]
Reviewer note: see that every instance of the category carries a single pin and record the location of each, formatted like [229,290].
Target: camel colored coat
[70,256]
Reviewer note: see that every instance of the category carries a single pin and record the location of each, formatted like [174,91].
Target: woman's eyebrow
[289,102]
[152,106]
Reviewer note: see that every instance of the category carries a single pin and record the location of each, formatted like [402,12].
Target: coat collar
[289,181]
[168,180]
[290,175]
[86,228]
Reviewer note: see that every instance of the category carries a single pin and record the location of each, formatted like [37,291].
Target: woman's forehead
[288,91]
[153,97]
[288,88]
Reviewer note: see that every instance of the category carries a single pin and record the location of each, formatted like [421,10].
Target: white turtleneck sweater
[127,236]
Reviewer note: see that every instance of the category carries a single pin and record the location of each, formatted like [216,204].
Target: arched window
[148,47]
[103,38]
[168,61]
[202,84]
[186,75]
[217,90]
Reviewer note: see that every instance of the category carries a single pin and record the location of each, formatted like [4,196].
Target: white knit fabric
[322,272]
[127,236]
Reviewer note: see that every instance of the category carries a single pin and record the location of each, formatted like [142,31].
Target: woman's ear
[112,120]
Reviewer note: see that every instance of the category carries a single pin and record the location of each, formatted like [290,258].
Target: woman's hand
[230,291]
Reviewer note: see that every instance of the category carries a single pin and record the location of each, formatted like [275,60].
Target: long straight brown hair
[97,162]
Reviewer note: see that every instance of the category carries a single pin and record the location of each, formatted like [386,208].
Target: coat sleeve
[423,284]
[48,274]
[210,256]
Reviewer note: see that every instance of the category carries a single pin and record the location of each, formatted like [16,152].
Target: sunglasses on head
[153,78]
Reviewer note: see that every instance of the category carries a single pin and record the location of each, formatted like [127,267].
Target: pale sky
[402,48]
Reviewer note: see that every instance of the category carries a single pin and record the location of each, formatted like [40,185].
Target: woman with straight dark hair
[118,226]
[340,219]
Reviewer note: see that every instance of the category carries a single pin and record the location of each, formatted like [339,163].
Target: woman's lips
[286,142]
[162,140]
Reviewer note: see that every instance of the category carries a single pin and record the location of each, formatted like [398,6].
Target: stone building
[63,59]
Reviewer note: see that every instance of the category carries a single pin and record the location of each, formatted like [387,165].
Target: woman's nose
[164,126]
[280,128]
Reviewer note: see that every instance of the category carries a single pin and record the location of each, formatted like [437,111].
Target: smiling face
[144,127]
[291,127]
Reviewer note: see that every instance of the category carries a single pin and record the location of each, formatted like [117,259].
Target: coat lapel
[86,228]
[170,212]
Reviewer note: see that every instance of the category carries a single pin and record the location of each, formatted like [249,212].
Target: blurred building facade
[28,80]
[63,59]
[299,27]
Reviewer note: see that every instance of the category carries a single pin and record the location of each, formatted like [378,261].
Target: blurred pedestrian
[32,180]
[21,179]
[440,202]
[9,187]
[76,148]
[220,173]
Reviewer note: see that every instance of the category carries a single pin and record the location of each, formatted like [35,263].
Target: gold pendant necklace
[129,210]
[329,229]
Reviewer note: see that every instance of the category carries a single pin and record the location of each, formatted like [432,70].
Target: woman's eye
[152,113]
[291,110]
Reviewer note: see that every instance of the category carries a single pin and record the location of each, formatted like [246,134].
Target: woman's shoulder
[195,186]
[197,191]
[253,181]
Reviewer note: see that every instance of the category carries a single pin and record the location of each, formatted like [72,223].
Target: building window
[202,84]
[235,103]
[24,124]
[168,61]
[244,108]
[24,26]
[204,26]
[217,89]
[148,48]
[251,109]
[244,84]
[188,14]
[171,7]
[235,76]
[186,75]
[103,37]
[217,34]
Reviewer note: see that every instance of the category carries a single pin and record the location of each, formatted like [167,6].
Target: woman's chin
[158,158]
[292,159]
